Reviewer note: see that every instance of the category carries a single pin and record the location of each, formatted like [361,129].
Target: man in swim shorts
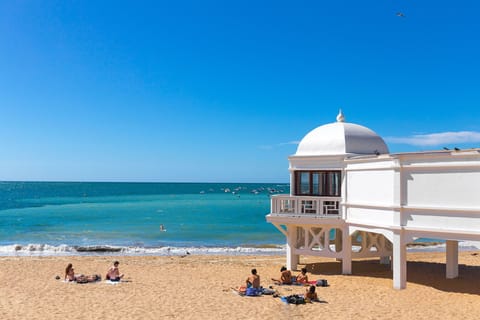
[113,274]
[253,280]
[285,276]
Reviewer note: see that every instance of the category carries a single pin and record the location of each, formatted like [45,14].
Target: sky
[223,91]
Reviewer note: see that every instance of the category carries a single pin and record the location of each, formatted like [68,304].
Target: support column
[346,252]
[399,261]
[338,242]
[292,258]
[383,244]
[452,259]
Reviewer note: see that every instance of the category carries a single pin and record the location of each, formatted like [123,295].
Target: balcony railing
[325,207]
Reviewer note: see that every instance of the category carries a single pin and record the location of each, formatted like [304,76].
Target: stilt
[399,262]
[346,252]
[292,258]
[452,259]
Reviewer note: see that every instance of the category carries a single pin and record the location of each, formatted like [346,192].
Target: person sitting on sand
[113,274]
[69,273]
[285,277]
[302,277]
[311,295]
[253,280]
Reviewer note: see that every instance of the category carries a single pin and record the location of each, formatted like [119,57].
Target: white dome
[341,138]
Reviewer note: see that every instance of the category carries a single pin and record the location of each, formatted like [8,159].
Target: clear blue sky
[220,91]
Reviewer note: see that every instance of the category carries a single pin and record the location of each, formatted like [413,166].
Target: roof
[341,138]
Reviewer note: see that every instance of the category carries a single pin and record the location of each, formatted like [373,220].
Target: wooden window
[318,183]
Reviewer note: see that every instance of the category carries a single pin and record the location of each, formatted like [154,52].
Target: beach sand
[199,287]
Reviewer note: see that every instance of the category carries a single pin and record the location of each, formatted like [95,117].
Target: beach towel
[68,281]
[249,292]
[253,292]
[293,299]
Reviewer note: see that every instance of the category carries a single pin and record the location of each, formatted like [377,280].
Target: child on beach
[113,274]
[285,277]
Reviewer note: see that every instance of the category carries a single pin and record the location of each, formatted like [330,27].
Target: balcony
[308,206]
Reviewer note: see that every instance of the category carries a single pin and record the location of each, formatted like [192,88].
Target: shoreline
[198,286]
[39,250]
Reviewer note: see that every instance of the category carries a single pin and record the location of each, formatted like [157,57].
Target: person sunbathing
[253,280]
[70,273]
[113,274]
[285,276]
[311,295]
[302,277]
[70,276]
[90,278]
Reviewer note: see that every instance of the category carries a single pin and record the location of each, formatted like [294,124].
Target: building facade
[350,198]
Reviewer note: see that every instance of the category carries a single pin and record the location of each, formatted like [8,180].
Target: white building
[343,177]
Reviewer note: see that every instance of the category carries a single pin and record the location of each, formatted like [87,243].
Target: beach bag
[295,299]
[322,283]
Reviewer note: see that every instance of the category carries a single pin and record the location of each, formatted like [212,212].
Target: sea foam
[65,250]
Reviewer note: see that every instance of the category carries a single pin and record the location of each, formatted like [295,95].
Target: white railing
[309,206]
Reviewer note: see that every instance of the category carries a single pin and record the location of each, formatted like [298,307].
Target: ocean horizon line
[144,181]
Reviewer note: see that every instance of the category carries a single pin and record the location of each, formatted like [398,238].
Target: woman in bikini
[70,273]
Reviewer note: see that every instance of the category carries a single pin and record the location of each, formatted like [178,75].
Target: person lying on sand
[70,276]
[302,277]
[285,277]
[113,274]
[90,278]
[253,280]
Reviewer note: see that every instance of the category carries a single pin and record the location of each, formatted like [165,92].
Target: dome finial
[340,117]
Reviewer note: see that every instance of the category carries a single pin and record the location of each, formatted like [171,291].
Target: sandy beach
[199,287]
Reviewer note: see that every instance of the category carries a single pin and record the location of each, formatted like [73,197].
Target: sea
[105,218]
[88,218]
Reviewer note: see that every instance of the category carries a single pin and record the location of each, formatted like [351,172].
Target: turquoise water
[59,217]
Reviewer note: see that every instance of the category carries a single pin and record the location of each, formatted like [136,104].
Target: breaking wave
[65,250]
